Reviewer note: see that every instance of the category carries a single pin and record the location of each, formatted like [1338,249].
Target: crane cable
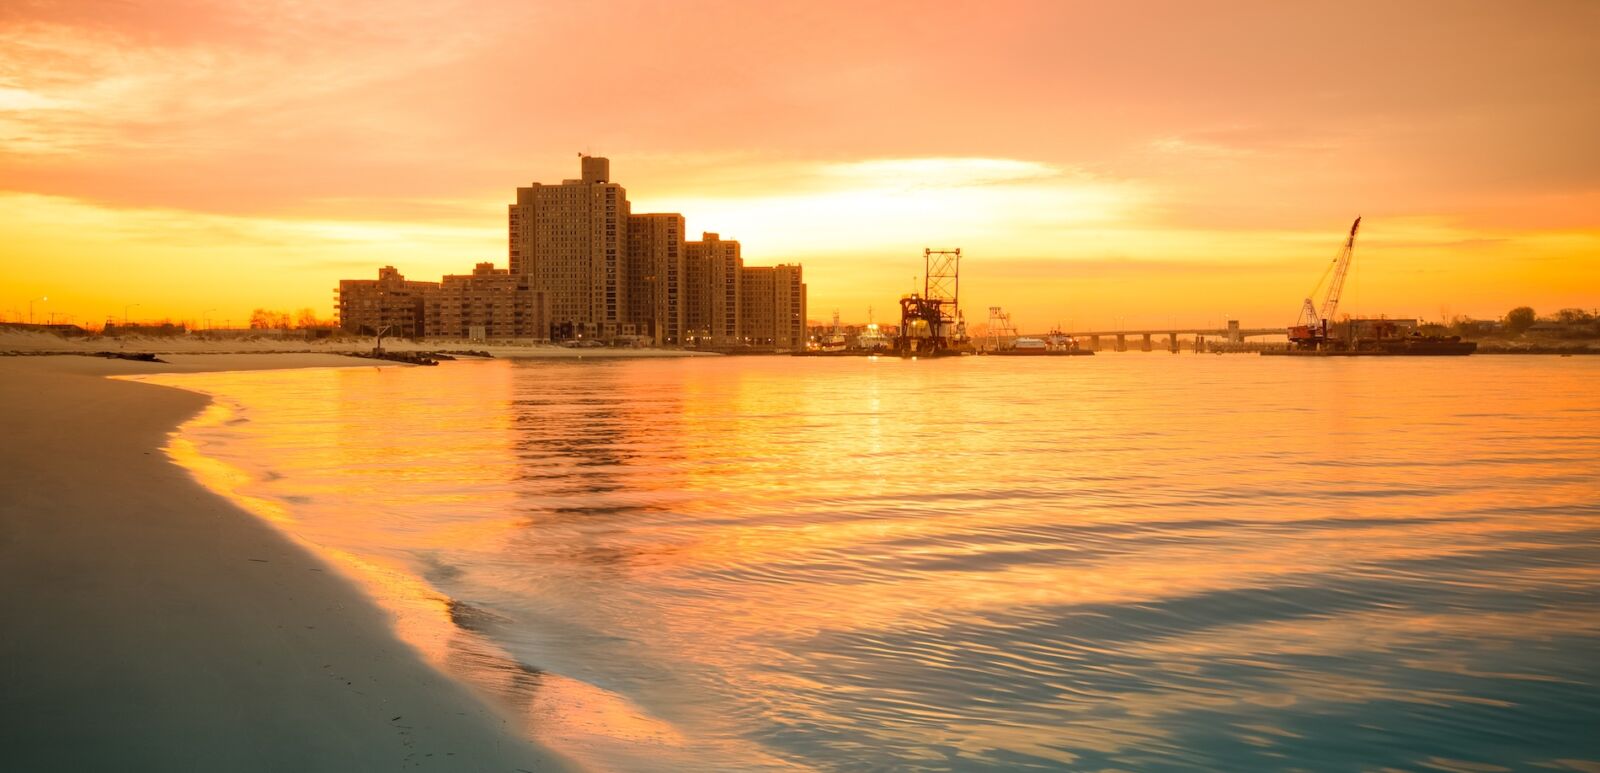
[1325,274]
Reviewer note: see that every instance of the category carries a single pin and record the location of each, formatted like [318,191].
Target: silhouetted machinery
[1316,333]
[930,322]
[1312,331]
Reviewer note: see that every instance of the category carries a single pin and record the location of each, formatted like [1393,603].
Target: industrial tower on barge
[930,323]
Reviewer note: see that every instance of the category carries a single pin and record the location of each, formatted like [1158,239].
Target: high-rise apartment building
[772,311]
[756,307]
[570,241]
[583,266]
[656,277]
[712,266]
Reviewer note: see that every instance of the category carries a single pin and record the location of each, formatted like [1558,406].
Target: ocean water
[1131,562]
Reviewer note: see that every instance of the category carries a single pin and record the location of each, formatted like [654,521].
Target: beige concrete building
[712,267]
[790,299]
[570,242]
[772,307]
[488,304]
[581,265]
[390,302]
[757,312]
[656,277]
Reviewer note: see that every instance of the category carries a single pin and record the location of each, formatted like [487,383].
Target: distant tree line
[267,319]
[1567,323]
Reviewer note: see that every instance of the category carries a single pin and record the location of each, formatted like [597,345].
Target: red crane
[1312,330]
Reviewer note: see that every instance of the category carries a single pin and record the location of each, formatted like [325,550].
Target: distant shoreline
[29,343]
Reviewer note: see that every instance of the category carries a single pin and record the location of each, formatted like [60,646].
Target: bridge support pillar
[1122,343]
[1146,346]
[1094,343]
[1172,342]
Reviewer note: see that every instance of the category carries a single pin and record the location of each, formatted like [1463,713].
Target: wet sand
[148,624]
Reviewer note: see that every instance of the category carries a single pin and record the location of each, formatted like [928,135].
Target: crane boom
[1341,269]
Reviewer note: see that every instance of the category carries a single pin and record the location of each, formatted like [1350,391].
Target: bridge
[1233,334]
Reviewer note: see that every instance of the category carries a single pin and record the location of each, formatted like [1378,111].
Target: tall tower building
[570,242]
[757,326]
[789,307]
[656,277]
[712,270]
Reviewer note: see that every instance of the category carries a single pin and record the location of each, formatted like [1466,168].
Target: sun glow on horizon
[877,206]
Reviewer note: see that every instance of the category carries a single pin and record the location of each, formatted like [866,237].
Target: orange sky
[1142,162]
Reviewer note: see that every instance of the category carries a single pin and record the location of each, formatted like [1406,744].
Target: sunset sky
[1100,164]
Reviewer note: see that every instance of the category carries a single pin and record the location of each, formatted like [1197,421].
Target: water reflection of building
[582,265]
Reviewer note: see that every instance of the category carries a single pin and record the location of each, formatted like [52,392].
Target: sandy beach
[152,625]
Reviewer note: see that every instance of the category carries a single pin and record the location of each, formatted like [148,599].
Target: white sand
[33,342]
[149,624]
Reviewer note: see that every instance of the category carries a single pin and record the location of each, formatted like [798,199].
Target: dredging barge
[1413,345]
[1317,335]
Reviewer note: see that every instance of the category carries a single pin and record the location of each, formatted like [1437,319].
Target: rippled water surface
[1135,561]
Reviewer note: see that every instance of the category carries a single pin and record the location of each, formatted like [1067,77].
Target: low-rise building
[391,303]
[1360,328]
[488,304]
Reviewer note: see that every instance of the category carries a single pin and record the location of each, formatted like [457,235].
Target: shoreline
[13,343]
[154,625]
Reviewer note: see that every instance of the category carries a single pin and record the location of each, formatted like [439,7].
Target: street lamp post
[31,301]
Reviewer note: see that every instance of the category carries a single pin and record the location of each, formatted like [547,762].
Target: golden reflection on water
[1132,561]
